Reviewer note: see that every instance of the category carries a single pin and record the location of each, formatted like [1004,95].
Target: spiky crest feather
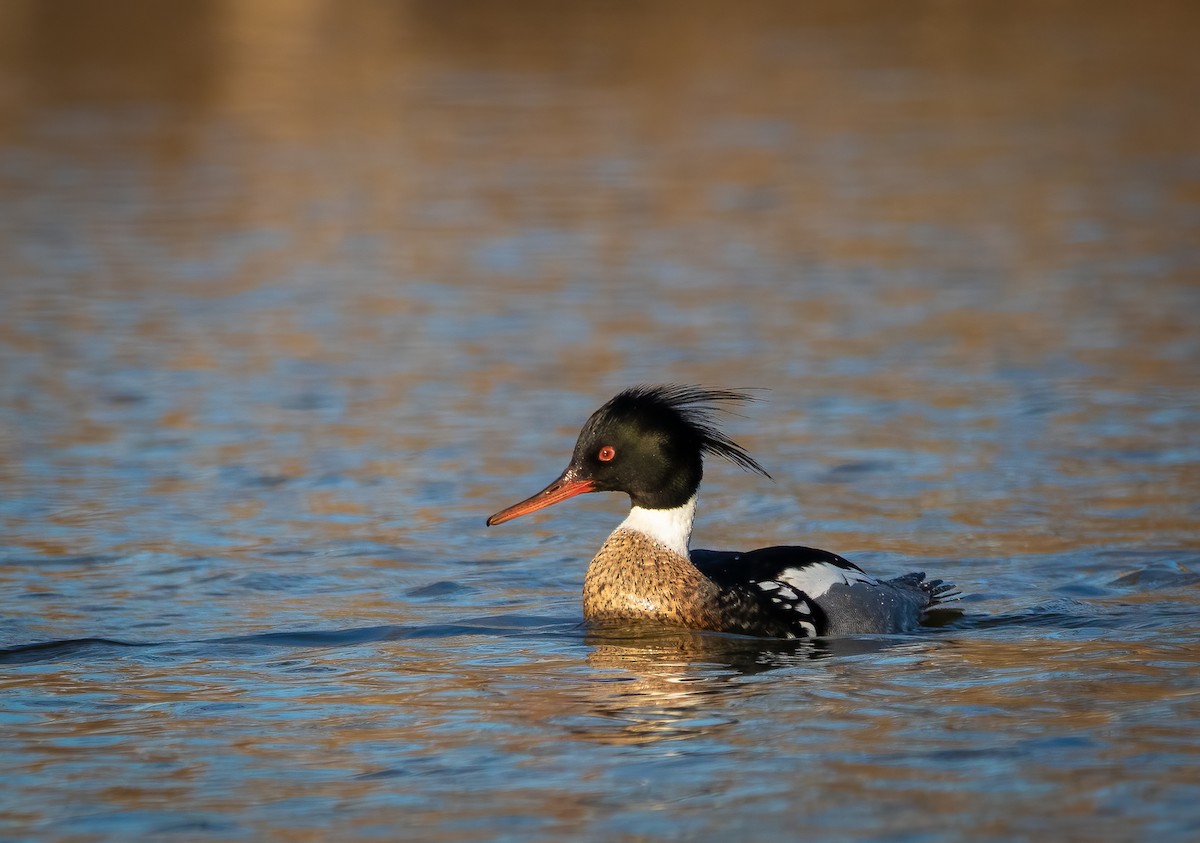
[695,407]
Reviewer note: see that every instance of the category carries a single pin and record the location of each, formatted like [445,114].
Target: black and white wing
[808,592]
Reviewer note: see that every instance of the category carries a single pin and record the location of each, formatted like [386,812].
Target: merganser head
[648,441]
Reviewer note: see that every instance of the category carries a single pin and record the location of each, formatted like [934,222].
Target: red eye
[607,453]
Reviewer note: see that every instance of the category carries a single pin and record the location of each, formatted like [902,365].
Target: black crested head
[687,409]
[649,441]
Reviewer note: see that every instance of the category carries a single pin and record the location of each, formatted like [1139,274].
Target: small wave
[500,626]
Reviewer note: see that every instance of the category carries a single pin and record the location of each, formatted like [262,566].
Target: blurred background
[294,294]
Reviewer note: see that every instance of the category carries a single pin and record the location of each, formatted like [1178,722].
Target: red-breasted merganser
[649,442]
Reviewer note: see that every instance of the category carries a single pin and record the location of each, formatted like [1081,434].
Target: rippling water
[292,296]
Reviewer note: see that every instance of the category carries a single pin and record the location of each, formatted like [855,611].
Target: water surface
[293,297]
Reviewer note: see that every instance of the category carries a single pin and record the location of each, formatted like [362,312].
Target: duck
[649,442]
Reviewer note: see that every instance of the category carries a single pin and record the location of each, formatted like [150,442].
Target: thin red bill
[561,489]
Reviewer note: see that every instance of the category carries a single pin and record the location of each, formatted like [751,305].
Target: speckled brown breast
[634,577]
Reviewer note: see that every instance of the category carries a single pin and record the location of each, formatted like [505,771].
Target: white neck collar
[670,527]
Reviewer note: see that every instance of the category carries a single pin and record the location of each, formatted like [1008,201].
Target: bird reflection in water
[660,683]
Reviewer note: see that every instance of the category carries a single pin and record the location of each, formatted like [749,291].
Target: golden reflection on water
[1017,148]
[862,724]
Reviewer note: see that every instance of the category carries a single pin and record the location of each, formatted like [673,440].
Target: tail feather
[940,591]
[937,593]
